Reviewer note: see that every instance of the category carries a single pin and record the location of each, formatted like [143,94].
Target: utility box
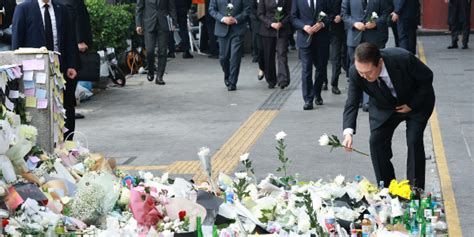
[41,86]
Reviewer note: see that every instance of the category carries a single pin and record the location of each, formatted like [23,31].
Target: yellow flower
[367,187]
[401,189]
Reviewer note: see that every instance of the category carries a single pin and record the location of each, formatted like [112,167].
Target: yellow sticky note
[69,145]
[31,102]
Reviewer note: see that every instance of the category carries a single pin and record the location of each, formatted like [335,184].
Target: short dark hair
[367,53]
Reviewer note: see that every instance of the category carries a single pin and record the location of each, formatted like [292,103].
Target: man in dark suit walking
[47,24]
[313,43]
[257,44]
[459,20]
[274,33]
[231,24]
[407,16]
[155,19]
[79,15]
[400,89]
[363,27]
[338,48]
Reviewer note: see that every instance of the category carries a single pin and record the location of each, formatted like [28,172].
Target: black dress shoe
[159,81]
[283,85]
[215,56]
[336,90]
[171,55]
[325,86]
[318,101]
[270,86]
[308,106]
[453,46]
[150,77]
[231,88]
[187,54]
[79,116]
[464,47]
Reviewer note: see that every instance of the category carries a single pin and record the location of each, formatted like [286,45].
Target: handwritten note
[10,106]
[29,84]
[33,64]
[41,94]
[40,77]
[30,92]
[13,94]
[28,75]
[16,72]
[42,104]
[30,102]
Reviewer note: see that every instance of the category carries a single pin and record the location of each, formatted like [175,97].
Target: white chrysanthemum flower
[280,136]
[303,225]
[339,180]
[244,157]
[375,15]
[28,132]
[230,6]
[203,152]
[279,9]
[241,175]
[324,140]
[148,176]
[322,13]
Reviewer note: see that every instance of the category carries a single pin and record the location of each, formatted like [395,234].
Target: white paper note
[40,77]
[13,94]
[28,76]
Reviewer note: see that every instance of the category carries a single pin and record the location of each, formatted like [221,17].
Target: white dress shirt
[309,3]
[53,21]
[386,78]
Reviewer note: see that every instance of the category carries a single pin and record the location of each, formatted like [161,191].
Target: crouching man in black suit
[400,89]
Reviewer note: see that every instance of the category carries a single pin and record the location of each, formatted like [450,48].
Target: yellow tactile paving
[452,216]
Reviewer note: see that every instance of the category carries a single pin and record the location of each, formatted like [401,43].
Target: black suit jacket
[302,14]
[408,9]
[266,14]
[336,28]
[80,16]
[28,31]
[151,14]
[412,80]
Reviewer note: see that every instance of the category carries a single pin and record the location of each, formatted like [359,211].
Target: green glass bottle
[199,227]
[214,231]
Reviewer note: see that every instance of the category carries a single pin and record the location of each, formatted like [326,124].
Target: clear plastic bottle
[366,226]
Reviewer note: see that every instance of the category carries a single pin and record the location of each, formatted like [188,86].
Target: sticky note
[41,93]
[30,102]
[13,94]
[29,84]
[10,73]
[30,92]
[40,77]
[42,104]
[10,106]
[28,75]
[33,64]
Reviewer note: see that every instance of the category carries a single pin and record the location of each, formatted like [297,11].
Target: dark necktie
[387,93]
[48,29]
[311,4]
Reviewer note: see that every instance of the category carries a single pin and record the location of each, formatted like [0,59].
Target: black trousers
[273,46]
[317,56]
[338,56]
[260,53]
[230,55]
[381,150]
[69,106]
[152,40]
[183,32]
[407,34]
[393,25]
[461,28]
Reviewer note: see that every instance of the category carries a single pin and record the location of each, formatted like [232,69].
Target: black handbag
[90,69]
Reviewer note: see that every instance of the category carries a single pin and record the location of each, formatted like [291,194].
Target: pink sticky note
[34,159]
[42,104]
[33,64]
[30,92]
[16,72]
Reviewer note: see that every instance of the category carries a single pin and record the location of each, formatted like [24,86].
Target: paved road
[162,127]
